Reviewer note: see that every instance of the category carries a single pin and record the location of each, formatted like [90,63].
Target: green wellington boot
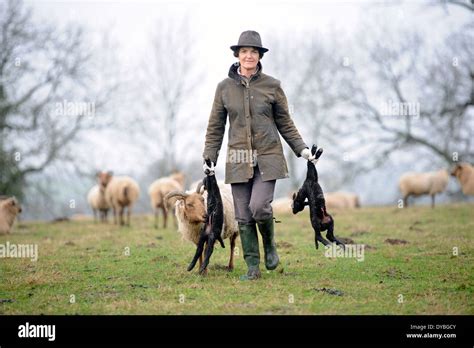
[249,239]
[267,231]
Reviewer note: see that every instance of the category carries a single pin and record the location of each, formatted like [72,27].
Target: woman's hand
[208,170]
[306,154]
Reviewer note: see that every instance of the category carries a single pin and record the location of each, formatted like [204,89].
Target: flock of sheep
[189,206]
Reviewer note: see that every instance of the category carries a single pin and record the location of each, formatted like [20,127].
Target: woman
[258,111]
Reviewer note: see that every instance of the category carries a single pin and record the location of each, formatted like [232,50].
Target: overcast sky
[217,25]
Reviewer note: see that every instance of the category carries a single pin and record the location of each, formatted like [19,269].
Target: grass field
[87,262]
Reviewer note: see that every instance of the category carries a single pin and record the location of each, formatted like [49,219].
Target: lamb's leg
[318,237]
[232,247]
[209,250]
[332,238]
[199,249]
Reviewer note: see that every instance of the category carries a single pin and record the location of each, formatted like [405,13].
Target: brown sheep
[464,172]
[191,215]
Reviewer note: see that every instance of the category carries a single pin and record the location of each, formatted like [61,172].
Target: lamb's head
[298,202]
[103,179]
[11,206]
[193,203]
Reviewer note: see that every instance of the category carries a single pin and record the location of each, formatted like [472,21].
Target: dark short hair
[260,52]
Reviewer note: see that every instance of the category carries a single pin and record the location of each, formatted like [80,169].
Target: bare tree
[314,82]
[47,94]
[168,80]
[418,101]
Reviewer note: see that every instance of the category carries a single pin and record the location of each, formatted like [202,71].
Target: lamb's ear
[294,195]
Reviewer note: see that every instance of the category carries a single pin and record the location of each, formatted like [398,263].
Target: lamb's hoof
[203,272]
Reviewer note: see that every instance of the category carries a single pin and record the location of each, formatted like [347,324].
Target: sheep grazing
[159,189]
[211,230]
[98,203]
[122,192]
[464,172]
[341,200]
[190,210]
[417,184]
[9,209]
[312,191]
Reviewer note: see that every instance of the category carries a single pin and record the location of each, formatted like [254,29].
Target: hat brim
[236,47]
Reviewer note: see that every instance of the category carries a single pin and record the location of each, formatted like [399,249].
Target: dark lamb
[312,191]
[212,228]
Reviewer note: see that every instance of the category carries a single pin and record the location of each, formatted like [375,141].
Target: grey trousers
[252,199]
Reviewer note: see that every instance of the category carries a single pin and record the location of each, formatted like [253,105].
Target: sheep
[9,209]
[311,190]
[179,177]
[464,172]
[190,211]
[157,192]
[341,200]
[282,205]
[122,192]
[96,200]
[416,184]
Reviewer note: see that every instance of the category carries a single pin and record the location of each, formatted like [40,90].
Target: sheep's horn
[179,194]
[199,186]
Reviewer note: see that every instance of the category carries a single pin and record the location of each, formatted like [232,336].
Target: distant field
[86,262]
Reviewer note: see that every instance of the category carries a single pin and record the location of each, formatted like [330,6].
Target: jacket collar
[234,74]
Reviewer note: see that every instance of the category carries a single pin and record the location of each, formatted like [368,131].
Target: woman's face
[248,57]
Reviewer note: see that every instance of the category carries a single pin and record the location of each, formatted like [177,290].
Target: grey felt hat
[249,38]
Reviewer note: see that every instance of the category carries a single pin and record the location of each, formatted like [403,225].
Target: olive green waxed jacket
[258,112]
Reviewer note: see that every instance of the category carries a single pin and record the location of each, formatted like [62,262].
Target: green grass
[87,260]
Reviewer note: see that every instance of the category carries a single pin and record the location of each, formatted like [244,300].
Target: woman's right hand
[208,170]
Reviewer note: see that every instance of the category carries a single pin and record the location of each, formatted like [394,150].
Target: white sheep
[282,205]
[98,203]
[464,172]
[416,184]
[9,209]
[341,200]
[190,210]
[122,192]
[157,192]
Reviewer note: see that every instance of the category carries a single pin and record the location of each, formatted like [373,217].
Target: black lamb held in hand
[212,228]
[312,191]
